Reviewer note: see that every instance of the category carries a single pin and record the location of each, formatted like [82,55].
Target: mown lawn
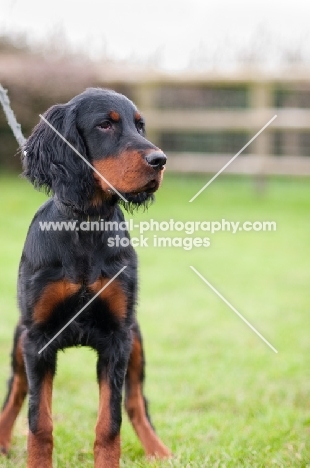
[220,397]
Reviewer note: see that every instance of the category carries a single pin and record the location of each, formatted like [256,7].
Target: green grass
[219,396]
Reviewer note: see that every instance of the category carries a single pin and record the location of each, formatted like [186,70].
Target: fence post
[260,100]
[145,98]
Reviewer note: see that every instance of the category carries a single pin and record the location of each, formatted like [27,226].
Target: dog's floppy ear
[50,163]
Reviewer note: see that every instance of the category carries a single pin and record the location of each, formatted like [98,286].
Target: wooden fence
[286,95]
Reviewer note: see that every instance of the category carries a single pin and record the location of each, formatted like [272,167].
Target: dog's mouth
[154,183]
[147,189]
[130,182]
[150,187]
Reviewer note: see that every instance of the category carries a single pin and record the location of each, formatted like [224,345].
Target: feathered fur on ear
[51,164]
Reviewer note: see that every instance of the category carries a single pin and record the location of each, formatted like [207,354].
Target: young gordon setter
[61,271]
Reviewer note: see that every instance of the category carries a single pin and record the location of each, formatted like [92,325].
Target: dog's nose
[157,159]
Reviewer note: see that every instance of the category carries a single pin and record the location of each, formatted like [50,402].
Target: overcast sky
[175,31]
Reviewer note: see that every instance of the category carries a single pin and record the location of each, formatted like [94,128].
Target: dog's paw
[161,451]
[4,450]
[5,440]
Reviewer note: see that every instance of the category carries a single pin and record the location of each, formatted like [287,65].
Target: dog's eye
[140,126]
[105,125]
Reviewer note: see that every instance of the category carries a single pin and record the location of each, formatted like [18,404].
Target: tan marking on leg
[15,401]
[135,407]
[107,449]
[52,295]
[40,444]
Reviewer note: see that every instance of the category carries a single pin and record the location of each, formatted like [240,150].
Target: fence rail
[283,148]
[250,164]
[287,119]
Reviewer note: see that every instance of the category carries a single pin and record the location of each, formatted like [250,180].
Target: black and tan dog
[61,271]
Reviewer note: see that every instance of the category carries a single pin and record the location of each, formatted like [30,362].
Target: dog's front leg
[40,373]
[111,368]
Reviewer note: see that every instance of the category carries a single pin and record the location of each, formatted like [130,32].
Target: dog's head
[115,159]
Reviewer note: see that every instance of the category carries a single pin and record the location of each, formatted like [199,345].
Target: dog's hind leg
[17,390]
[136,404]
